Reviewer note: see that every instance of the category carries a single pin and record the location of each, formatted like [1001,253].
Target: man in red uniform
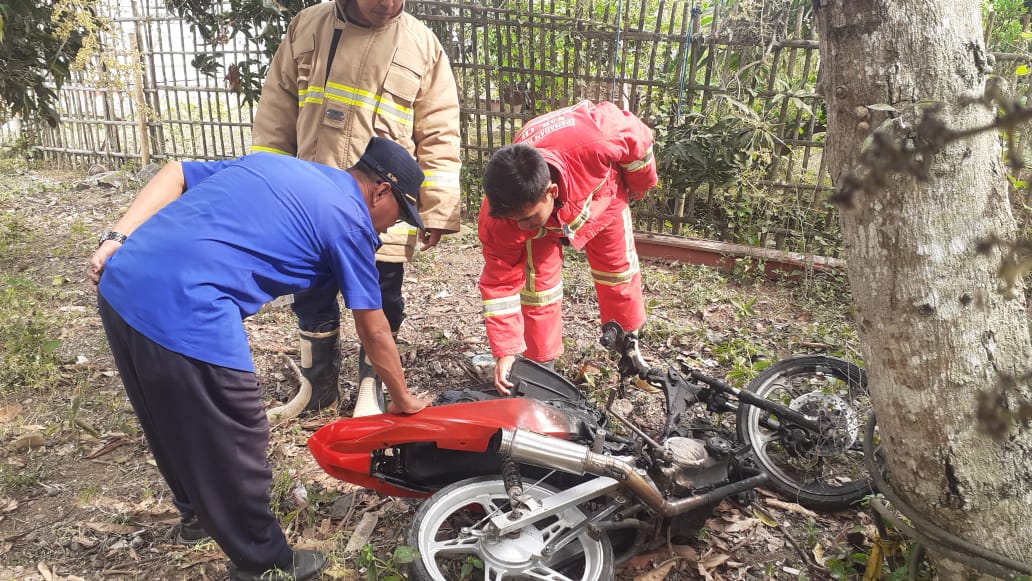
[566,179]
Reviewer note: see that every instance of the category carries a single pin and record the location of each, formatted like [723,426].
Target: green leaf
[405,554]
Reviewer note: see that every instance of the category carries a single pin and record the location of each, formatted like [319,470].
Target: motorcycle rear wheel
[822,473]
[447,531]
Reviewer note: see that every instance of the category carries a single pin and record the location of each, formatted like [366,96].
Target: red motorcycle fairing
[344,448]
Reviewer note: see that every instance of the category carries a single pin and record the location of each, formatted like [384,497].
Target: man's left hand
[95,267]
[430,237]
[410,406]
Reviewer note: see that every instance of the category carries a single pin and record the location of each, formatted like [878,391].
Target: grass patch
[14,481]
[28,348]
[29,327]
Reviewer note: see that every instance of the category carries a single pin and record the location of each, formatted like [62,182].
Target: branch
[892,147]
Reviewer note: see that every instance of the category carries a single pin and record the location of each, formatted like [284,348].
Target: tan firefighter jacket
[394,81]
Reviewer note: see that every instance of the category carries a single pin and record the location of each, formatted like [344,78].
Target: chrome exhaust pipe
[548,452]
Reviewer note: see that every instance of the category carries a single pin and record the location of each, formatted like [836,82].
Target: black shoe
[307,565]
[189,532]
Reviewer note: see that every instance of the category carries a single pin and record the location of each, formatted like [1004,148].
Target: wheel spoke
[554,530]
[493,574]
[786,387]
[486,502]
[456,546]
[761,439]
[545,574]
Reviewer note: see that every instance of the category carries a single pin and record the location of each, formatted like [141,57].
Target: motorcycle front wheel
[825,471]
[451,535]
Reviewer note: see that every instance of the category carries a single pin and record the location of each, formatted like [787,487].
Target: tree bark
[935,329]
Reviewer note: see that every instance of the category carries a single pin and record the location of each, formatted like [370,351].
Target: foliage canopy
[262,24]
[36,46]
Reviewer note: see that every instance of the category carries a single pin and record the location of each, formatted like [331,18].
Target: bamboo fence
[665,60]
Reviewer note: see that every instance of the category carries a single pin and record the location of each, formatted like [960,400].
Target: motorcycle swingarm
[555,504]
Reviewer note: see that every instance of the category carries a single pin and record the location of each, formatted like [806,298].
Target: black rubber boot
[320,365]
[371,396]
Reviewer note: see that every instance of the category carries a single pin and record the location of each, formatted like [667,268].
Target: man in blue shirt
[203,246]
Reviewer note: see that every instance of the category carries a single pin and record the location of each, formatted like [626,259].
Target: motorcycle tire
[825,473]
[444,533]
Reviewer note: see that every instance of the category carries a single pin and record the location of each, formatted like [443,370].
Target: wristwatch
[111,235]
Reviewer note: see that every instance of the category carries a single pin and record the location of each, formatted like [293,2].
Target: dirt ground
[80,497]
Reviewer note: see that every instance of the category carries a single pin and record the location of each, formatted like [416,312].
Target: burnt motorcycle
[545,485]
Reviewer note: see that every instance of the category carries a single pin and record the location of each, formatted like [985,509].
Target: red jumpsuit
[603,156]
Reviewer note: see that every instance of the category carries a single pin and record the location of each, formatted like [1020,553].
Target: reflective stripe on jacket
[394,81]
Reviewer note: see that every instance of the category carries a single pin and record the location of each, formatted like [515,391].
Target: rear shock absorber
[513,486]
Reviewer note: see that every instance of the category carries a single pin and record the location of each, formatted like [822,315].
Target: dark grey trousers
[207,429]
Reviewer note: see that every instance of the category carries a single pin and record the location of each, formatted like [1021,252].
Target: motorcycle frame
[674,386]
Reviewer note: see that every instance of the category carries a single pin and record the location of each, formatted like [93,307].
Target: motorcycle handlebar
[615,339]
[611,334]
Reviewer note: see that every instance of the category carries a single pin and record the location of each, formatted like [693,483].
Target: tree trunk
[935,329]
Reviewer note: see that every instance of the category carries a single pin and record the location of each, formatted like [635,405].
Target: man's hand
[410,406]
[95,268]
[502,369]
[430,237]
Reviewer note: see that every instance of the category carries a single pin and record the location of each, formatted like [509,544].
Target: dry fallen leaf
[200,560]
[790,506]
[586,374]
[659,573]
[642,561]
[765,518]
[736,526]
[713,560]
[110,527]
[28,441]
[645,386]
[818,554]
[686,552]
[111,504]
[325,528]
[109,446]
[9,412]
[338,571]
[84,541]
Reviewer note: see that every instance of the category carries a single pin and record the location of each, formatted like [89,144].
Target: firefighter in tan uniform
[346,71]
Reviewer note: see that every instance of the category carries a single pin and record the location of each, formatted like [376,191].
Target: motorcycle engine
[694,464]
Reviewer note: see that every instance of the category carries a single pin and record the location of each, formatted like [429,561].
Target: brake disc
[830,409]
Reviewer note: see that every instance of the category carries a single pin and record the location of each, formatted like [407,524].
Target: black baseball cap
[396,166]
